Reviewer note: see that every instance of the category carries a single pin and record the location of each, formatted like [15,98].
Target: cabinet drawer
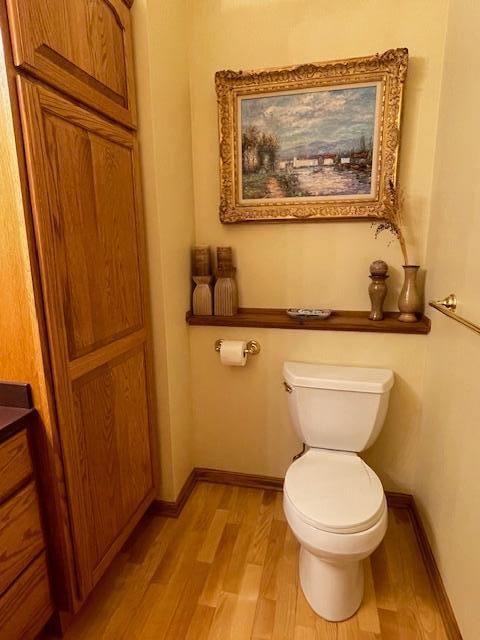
[15,464]
[21,537]
[82,47]
[27,606]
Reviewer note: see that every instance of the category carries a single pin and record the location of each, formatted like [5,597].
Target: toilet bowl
[333,502]
[335,507]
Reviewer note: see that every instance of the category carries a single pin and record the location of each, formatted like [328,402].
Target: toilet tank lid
[327,376]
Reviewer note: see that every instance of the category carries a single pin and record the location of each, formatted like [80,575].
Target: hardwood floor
[227,569]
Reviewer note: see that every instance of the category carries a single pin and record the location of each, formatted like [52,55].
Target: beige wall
[240,420]
[160,30]
[447,481]
[430,440]
[241,417]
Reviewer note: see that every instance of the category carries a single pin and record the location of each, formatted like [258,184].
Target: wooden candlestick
[224,259]
[201,263]
[378,288]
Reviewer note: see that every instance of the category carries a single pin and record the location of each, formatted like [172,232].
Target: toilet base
[333,590]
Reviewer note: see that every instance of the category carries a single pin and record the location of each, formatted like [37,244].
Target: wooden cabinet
[73,274]
[25,599]
[15,464]
[83,47]
[27,605]
[88,226]
[21,537]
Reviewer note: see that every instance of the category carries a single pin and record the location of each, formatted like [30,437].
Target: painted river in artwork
[307,182]
[330,181]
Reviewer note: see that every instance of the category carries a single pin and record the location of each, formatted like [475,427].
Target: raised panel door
[89,232]
[111,411]
[82,47]
[96,245]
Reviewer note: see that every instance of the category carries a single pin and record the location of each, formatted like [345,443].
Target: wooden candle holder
[201,261]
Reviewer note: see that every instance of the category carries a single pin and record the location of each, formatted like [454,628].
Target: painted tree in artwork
[259,150]
[250,141]
[268,149]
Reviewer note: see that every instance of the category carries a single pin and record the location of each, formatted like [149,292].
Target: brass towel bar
[448,306]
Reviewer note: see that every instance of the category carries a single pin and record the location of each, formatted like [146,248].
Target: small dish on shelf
[312,314]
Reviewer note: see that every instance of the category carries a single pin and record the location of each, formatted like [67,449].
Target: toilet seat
[335,491]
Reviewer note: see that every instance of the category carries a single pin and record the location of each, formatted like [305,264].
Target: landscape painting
[312,141]
[308,144]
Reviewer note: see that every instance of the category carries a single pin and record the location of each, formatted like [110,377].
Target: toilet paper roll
[232,353]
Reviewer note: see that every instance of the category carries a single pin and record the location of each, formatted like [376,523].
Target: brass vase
[409,300]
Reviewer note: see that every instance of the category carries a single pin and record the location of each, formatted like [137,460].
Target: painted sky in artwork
[316,121]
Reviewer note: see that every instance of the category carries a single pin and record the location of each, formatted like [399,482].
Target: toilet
[333,502]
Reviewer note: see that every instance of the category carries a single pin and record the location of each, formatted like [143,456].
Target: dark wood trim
[338,321]
[165,508]
[395,500]
[15,394]
[407,501]
[446,611]
[172,509]
[238,479]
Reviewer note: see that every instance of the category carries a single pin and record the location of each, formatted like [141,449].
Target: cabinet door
[83,47]
[90,241]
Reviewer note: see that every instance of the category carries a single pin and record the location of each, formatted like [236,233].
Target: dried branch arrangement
[393,220]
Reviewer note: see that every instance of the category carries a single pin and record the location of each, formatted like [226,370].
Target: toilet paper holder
[253,347]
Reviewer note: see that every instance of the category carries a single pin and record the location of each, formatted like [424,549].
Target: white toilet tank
[341,408]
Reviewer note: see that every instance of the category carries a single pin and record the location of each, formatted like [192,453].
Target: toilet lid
[335,491]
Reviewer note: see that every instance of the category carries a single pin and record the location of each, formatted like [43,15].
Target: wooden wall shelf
[338,321]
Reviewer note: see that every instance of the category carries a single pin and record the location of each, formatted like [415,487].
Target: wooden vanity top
[15,408]
[13,420]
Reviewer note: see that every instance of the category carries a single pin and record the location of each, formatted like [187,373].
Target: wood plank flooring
[227,569]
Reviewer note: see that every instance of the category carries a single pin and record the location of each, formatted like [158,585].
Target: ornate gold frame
[389,69]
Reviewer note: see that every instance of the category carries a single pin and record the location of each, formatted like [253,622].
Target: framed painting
[310,142]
